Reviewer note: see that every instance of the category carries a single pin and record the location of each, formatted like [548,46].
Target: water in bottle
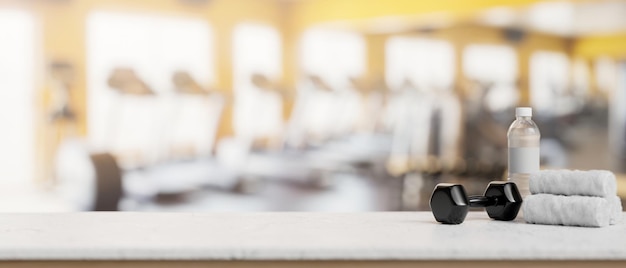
[523,136]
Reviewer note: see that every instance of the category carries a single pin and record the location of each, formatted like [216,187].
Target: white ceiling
[562,18]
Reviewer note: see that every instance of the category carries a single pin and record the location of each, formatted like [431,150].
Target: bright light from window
[256,51]
[335,56]
[492,63]
[549,76]
[428,63]
[154,47]
[496,65]
[17,69]
[580,77]
[606,74]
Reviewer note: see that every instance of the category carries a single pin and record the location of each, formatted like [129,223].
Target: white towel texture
[572,210]
[599,183]
[616,207]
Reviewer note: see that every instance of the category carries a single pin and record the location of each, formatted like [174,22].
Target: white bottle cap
[523,111]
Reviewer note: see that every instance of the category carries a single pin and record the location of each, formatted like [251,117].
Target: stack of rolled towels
[573,197]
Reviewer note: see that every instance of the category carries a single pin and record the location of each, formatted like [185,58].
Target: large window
[606,71]
[549,80]
[333,55]
[154,47]
[494,65]
[427,63]
[256,52]
[17,102]
[580,77]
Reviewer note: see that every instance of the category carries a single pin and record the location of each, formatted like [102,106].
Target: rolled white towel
[600,183]
[571,210]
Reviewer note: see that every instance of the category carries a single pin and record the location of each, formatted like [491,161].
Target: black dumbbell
[450,204]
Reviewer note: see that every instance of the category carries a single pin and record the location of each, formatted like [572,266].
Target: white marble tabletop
[296,236]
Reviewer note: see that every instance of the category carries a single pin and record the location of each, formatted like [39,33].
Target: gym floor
[354,191]
[357,191]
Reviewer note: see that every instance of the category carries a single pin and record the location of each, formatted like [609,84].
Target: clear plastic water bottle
[523,139]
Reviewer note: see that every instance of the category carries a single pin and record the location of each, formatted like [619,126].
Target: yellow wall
[309,12]
[605,45]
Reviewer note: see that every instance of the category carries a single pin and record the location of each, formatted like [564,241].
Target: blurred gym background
[297,105]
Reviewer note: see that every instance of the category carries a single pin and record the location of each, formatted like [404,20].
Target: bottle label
[523,159]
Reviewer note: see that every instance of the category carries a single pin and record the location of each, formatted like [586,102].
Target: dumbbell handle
[482,201]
